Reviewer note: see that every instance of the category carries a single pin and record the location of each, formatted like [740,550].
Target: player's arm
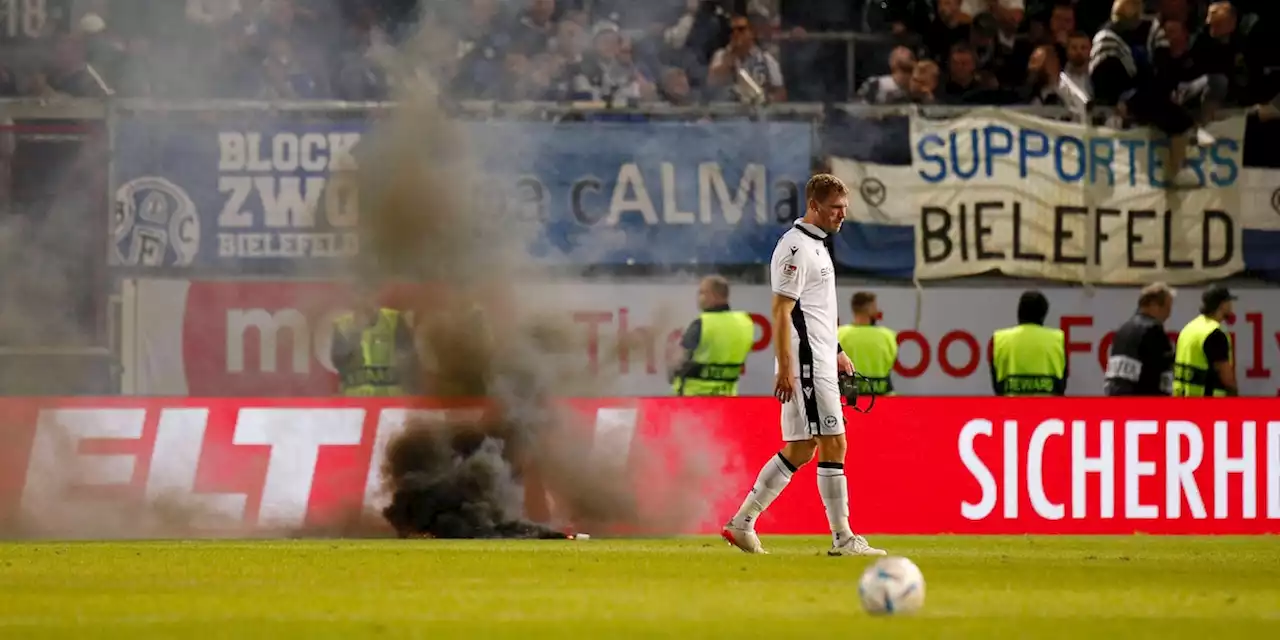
[1217,350]
[780,313]
[786,276]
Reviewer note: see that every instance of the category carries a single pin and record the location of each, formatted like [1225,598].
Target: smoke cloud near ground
[484,339]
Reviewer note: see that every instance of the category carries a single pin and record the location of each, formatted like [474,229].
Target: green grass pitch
[978,587]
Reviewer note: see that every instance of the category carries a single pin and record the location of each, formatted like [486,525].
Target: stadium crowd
[620,51]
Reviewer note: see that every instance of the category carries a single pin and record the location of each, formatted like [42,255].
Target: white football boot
[854,545]
[742,538]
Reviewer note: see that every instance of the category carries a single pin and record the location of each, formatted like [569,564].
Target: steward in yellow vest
[1202,361]
[373,352]
[873,349]
[715,346]
[1029,359]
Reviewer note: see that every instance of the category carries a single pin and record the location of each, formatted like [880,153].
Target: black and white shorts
[814,410]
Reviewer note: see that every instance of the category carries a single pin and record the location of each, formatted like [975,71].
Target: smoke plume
[484,338]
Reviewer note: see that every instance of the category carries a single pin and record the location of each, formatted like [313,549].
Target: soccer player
[808,361]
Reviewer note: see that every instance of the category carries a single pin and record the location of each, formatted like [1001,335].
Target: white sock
[835,497]
[773,478]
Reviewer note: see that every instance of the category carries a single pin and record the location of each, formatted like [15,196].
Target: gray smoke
[448,482]
[484,339]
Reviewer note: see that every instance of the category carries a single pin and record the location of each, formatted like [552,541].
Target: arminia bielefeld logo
[155,224]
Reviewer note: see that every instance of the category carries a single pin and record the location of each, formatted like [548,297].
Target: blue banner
[281,197]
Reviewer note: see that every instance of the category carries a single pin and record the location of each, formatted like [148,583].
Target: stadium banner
[281,197]
[1012,466]
[271,338]
[997,190]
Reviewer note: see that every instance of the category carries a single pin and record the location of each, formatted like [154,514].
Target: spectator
[1173,11]
[962,68]
[1062,23]
[675,89]
[544,71]
[566,57]
[677,34]
[924,82]
[287,76]
[894,88]
[982,40]
[212,13]
[479,29]
[1043,84]
[282,20]
[743,55]
[481,44]
[627,56]
[1181,65]
[570,42]
[949,28]
[1012,51]
[709,32]
[535,27]
[971,9]
[70,73]
[1219,49]
[1131,67]
[238,73]
[604,75]
[360,77]
[1077,67]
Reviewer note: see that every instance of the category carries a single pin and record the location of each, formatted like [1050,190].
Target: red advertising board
[916,465]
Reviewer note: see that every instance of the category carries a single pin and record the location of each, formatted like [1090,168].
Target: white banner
[1038,198]
[272,338]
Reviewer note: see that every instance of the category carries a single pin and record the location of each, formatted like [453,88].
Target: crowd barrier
[915,465]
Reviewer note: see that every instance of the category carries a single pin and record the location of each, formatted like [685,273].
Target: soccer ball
[892,586]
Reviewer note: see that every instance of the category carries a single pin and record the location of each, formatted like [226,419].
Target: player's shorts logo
[830,421]
[155,224]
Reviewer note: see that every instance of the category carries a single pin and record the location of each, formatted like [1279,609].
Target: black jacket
[1141,359]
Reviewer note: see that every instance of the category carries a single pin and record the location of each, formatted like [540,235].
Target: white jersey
[802,270]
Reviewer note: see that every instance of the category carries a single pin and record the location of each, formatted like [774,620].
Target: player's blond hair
[822,186]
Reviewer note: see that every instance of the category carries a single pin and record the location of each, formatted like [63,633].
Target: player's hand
[784,387]
[844,364]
